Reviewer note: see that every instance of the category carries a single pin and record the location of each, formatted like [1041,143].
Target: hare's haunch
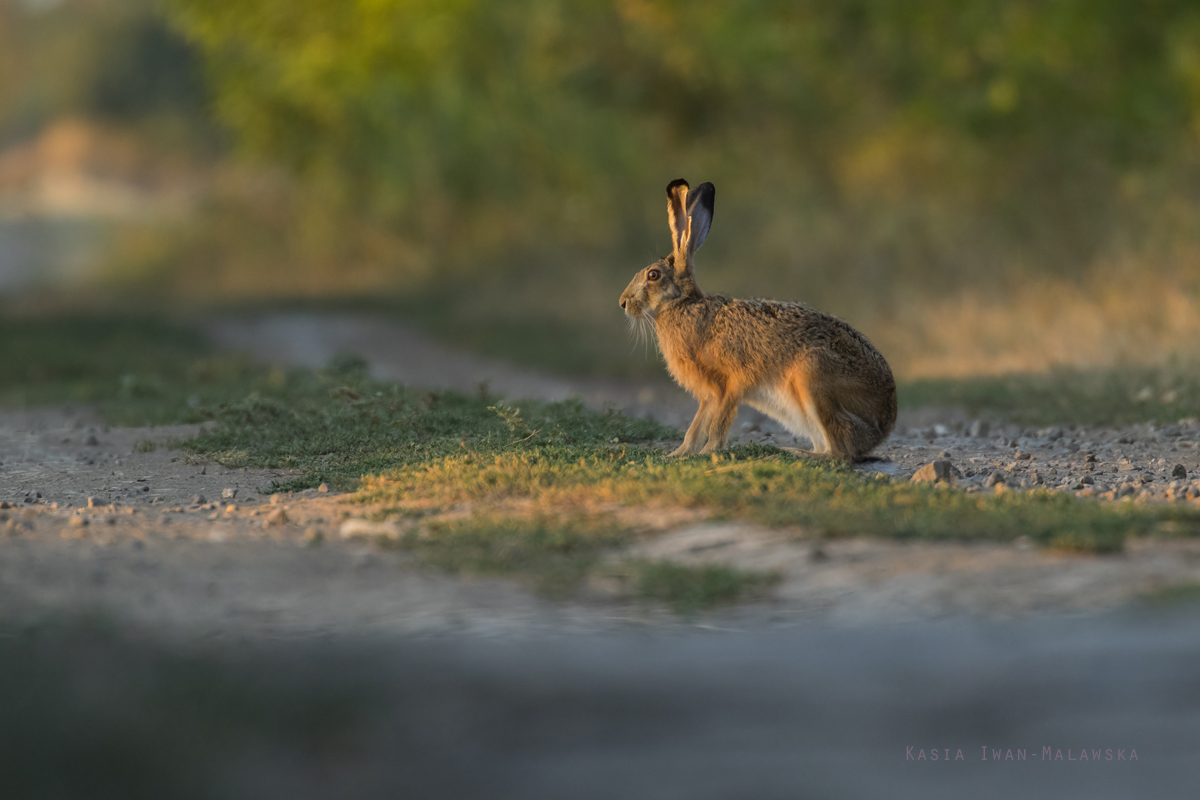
[813,373]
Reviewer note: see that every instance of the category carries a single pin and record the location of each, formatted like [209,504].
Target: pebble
[995,479]
[934,472]
[91,441]
[229,493]
[324,487]
[276,517]
[78,522]
[198,500]
[1179,471]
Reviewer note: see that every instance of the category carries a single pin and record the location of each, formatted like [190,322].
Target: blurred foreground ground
[804,711]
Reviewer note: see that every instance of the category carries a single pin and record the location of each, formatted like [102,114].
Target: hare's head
[690,215]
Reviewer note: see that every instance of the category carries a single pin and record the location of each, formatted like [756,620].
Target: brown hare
[813,373]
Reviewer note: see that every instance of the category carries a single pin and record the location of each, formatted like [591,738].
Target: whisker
[642,330]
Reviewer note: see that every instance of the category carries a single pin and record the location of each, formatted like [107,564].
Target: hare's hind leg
[849,437]
[699,427]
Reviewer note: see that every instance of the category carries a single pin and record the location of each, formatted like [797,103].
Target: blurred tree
[867,141]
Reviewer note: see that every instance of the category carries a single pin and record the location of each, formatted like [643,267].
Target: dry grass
[1113,321]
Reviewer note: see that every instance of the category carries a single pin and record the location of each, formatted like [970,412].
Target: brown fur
[811,371]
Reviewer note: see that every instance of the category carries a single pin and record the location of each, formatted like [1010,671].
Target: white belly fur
[779,406]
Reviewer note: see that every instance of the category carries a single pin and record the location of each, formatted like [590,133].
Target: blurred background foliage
[982,186]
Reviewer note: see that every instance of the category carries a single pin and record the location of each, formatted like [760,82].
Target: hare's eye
[653,275]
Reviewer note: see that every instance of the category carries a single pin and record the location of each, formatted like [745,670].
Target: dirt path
[161,543]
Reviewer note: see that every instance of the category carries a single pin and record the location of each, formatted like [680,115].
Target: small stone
[91,440]
[995,479]
[1087,480]
[313,536]
[979,429]
[358,527]
[276,499]
[1179,471]
[198,500]
[934,472]
[78,522]
[229,509]
[229,493]
[324,487]
[276,517]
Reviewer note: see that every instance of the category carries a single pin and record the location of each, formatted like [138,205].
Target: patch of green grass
[135,369]
[688,589]
[1099,397]
[338,428]
[768,486]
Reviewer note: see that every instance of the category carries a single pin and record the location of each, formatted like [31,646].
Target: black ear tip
[675,184]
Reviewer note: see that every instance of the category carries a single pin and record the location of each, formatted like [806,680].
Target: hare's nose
[622,304]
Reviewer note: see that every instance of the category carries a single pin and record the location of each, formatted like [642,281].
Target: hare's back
[785,328]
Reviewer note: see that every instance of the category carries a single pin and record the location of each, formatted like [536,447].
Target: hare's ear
[677,203]
[700,214]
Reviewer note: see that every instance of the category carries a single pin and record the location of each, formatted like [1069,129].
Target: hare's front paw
[682,450]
